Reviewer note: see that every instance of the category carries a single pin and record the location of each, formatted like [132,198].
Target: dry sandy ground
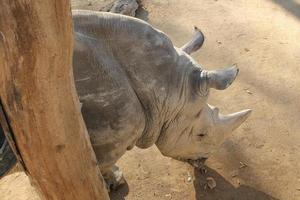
[262,37]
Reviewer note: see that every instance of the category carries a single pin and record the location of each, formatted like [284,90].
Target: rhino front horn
[232,121]
[219,79]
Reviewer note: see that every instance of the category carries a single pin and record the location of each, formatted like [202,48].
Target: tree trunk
[38,95]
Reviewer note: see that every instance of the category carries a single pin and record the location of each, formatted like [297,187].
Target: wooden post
[38,95]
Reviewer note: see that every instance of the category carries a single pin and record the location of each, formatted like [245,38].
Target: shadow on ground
[225,190]
[120,193]
[290,5]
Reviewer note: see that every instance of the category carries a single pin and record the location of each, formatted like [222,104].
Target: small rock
[190,178]
[168,195]
[258,146]
[90,4]
[238,182]
[240,35]
[235,173]
[247,50]
[243,165]
[210,183]
[219,42]
[248,91]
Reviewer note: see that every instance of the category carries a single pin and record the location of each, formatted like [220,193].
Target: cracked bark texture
[38,95]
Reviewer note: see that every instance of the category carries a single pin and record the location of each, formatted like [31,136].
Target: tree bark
[38,95]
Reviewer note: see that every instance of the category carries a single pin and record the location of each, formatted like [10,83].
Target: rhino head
[198,129]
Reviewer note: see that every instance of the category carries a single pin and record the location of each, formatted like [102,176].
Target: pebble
[210,183]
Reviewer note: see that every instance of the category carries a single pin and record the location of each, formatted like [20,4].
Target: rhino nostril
[202,133]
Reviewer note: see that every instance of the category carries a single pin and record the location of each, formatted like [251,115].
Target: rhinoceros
[137,89]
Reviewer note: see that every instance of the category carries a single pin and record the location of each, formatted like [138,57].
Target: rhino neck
[165,98]
[159,105]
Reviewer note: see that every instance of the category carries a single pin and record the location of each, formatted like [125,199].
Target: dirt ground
[261,160]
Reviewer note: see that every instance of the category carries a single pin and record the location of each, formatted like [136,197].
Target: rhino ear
[218,79]
[195,43]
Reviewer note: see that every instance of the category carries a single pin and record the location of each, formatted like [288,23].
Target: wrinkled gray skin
[137,89]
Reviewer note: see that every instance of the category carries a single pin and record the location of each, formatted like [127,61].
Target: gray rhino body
[127,74]
[137,89]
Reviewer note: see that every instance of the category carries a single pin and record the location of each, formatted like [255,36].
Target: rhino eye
[201,135]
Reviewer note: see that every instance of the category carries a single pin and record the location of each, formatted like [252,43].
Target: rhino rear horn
[219,79]
[195,43]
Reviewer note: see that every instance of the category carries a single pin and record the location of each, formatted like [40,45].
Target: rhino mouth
[200,160]
[198,163]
